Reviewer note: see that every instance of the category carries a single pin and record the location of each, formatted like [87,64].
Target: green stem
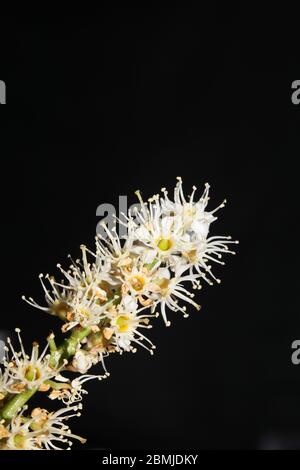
[16,403]
[69,346]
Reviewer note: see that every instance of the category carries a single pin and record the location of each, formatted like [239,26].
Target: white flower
[201,253]
[27,372]
[85,311]
[137,277]
[84,280]
[82,361]
[42,430]
[125,323]
[159,236]
[192,214]
[111,248]
[85,274]
[171,290]
[19,435]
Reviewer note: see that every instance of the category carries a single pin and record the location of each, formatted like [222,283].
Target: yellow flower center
[32,373]
[137,282]
[164,244]
[191,255]
[189,211]
[19,441]
[40,418]
[122,323]
[85,313]
[163,283]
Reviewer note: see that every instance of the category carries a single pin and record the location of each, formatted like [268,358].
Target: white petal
[130,304]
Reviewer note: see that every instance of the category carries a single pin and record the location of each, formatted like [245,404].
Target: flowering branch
[105,304]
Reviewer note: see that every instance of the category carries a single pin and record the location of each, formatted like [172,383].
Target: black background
[127,98]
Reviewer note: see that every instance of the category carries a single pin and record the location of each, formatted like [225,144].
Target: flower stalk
[70,345]
[106,302]
[15,404]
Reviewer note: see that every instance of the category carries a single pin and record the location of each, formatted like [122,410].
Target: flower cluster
[106,300]
[40,430]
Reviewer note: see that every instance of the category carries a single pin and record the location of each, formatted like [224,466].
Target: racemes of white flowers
[112,294]
[168,247]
